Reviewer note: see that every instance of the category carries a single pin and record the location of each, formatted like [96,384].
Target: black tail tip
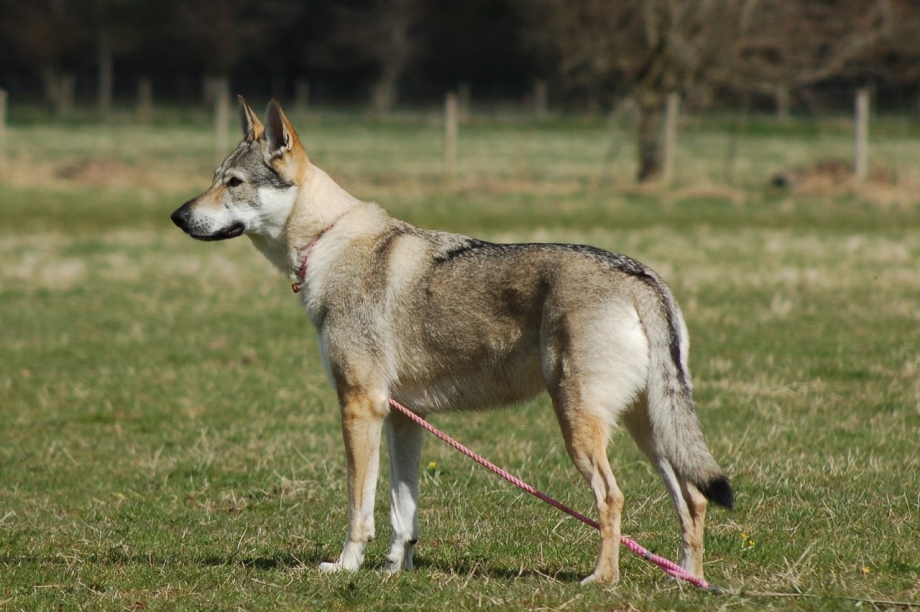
[719,492]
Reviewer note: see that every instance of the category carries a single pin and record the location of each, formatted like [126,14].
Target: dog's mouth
[231,231]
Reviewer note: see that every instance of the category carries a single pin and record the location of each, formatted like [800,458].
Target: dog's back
[460,324]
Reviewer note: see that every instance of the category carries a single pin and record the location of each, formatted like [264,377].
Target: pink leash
[668,566]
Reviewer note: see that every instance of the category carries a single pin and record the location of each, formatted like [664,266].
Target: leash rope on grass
[668,566]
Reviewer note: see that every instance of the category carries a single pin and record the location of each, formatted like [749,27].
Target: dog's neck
[316,204]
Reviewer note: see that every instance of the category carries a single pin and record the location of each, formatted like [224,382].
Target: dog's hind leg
[586,437]
[404,443]
[689,503]
[362,418]
[594,368]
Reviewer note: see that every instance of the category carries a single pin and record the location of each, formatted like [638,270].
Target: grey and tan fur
[442,322]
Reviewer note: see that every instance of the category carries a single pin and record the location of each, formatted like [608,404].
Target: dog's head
[255,188]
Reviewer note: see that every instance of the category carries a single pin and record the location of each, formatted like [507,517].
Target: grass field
[168,440]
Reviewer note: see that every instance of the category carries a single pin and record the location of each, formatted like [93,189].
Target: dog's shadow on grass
[484,569]
[288,560]
[264,562]
[422,564]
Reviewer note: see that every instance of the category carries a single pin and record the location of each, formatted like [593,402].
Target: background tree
[478,42]
[895,57]
[596,52]
[784,45]
[644,49]
[384,33]
[50,36]
[110,23]
[218,34]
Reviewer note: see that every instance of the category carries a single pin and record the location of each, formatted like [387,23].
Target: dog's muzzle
[182,218]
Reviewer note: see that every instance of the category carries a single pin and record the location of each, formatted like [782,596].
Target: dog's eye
[234,181]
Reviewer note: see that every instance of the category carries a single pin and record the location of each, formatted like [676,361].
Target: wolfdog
[442,322]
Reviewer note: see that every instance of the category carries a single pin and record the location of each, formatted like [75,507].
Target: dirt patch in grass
[833,177]
[100,171]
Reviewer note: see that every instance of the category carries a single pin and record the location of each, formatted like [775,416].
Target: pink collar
[307,251]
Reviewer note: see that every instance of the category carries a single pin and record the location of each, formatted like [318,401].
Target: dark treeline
[587,54]
[343,48]
[411,51]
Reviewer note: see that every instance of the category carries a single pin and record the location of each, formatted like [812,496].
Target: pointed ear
[280,136]
[252,127]
[283,150]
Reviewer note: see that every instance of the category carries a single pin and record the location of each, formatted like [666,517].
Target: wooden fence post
[672,114]
[144,99]
[450,135]
[464,100]
[782,104]
[67,93]
[106,77]
[861,144]
[221,91]
[731,160]
[540,99]
[302,95]
[4,99]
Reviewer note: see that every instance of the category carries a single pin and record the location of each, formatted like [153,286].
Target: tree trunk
[51,81]
[384,96]
[782,104]
[651,107]
[144,99]
[66,93]
[105,76]
[302,95]
[393,53]
[540,99]
[221,92]
[4,97]
[464,100]
[278,85]
[731,161]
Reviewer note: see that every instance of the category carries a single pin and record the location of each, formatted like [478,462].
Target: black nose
[180,216]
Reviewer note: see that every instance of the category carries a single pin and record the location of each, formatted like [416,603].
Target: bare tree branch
[383,33]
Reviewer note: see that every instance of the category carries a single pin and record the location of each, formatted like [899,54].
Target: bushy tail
[677,435]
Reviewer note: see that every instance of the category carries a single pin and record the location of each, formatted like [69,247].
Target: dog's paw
[349,561]
[327,568]
[399,559]
[394,565]
[607,578]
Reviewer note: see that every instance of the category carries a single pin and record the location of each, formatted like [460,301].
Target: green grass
[169,441]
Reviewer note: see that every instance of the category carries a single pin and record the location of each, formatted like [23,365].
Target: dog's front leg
[362,418]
